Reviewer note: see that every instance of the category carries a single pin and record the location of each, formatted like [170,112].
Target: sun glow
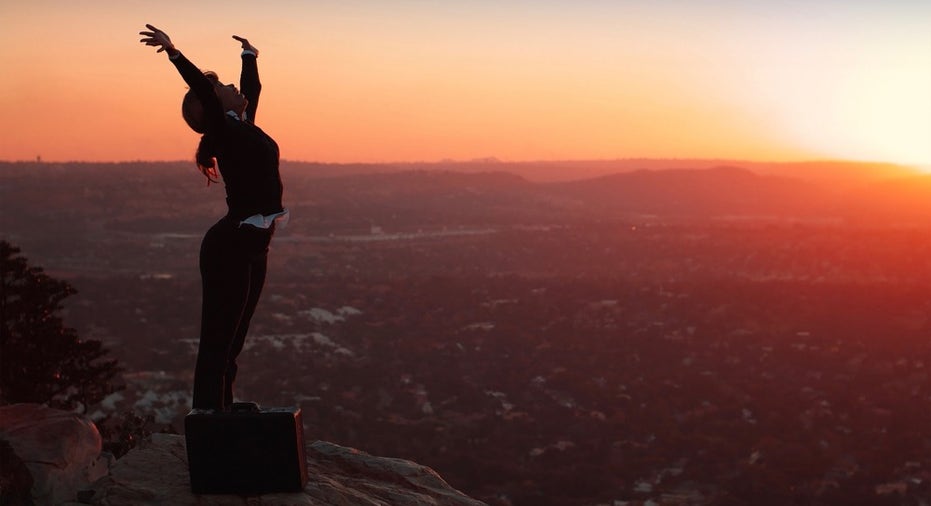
[877,110]
[890,114]
[864,114]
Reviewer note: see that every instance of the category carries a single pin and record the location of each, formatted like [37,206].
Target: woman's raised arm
[202,86]
[249,83]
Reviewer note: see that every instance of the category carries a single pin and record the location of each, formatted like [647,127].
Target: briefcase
[246,451]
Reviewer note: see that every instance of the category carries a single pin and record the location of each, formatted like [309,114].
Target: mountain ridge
[141,196]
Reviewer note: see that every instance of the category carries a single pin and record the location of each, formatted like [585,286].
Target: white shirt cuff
[246,51]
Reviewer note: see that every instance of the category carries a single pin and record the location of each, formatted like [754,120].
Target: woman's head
[192,110]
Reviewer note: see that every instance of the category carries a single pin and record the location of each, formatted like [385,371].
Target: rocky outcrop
[155,474]
[61,450]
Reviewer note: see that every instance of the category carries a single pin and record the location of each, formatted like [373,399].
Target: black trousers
[233,262]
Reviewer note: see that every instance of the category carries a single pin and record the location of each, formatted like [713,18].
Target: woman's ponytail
[207,160]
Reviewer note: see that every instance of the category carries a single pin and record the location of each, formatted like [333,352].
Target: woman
[234,251]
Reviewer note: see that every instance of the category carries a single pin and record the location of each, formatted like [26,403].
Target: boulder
[61,450]
[155,474]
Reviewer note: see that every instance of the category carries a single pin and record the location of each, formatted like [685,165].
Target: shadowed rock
[155,473]
[61,450]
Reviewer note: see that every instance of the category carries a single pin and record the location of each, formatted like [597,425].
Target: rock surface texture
[155,473]
[61,450]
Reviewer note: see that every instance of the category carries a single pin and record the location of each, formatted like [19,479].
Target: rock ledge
[155,473]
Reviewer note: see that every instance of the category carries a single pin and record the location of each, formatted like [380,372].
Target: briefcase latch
[244,407]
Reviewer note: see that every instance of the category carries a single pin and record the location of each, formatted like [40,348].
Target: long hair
[193,113]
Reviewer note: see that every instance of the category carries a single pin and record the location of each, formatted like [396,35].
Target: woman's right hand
[246,45]
[158,38]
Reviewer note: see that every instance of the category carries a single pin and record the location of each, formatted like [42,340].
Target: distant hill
[499,197]
[838,174]
[172,197]
[699,193]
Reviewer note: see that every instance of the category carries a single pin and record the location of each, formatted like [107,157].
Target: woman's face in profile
[230,97]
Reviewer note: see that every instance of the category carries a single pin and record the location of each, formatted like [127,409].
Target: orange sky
[367,80]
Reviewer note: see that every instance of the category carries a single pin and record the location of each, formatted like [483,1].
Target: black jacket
[247,157]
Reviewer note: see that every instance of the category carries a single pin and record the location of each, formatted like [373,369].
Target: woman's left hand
[246,45]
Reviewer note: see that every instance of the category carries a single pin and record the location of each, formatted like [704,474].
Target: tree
[41,360]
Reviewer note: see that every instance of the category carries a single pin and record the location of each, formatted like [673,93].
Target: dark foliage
[41,360]
[121,432]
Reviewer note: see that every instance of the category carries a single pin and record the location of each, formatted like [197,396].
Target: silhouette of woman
[234,252]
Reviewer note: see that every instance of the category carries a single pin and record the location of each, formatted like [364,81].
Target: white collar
[233,114]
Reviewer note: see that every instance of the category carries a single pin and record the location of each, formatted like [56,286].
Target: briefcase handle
[244,407]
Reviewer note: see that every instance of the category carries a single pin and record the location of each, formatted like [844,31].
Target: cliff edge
[155,473]
[62,454]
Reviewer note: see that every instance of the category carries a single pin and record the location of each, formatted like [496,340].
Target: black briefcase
[246,451]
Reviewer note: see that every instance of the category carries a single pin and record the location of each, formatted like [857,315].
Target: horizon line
[494,160]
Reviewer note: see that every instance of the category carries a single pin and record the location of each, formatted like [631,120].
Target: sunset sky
[419,80]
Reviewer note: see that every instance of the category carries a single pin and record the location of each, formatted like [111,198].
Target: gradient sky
[376,81]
